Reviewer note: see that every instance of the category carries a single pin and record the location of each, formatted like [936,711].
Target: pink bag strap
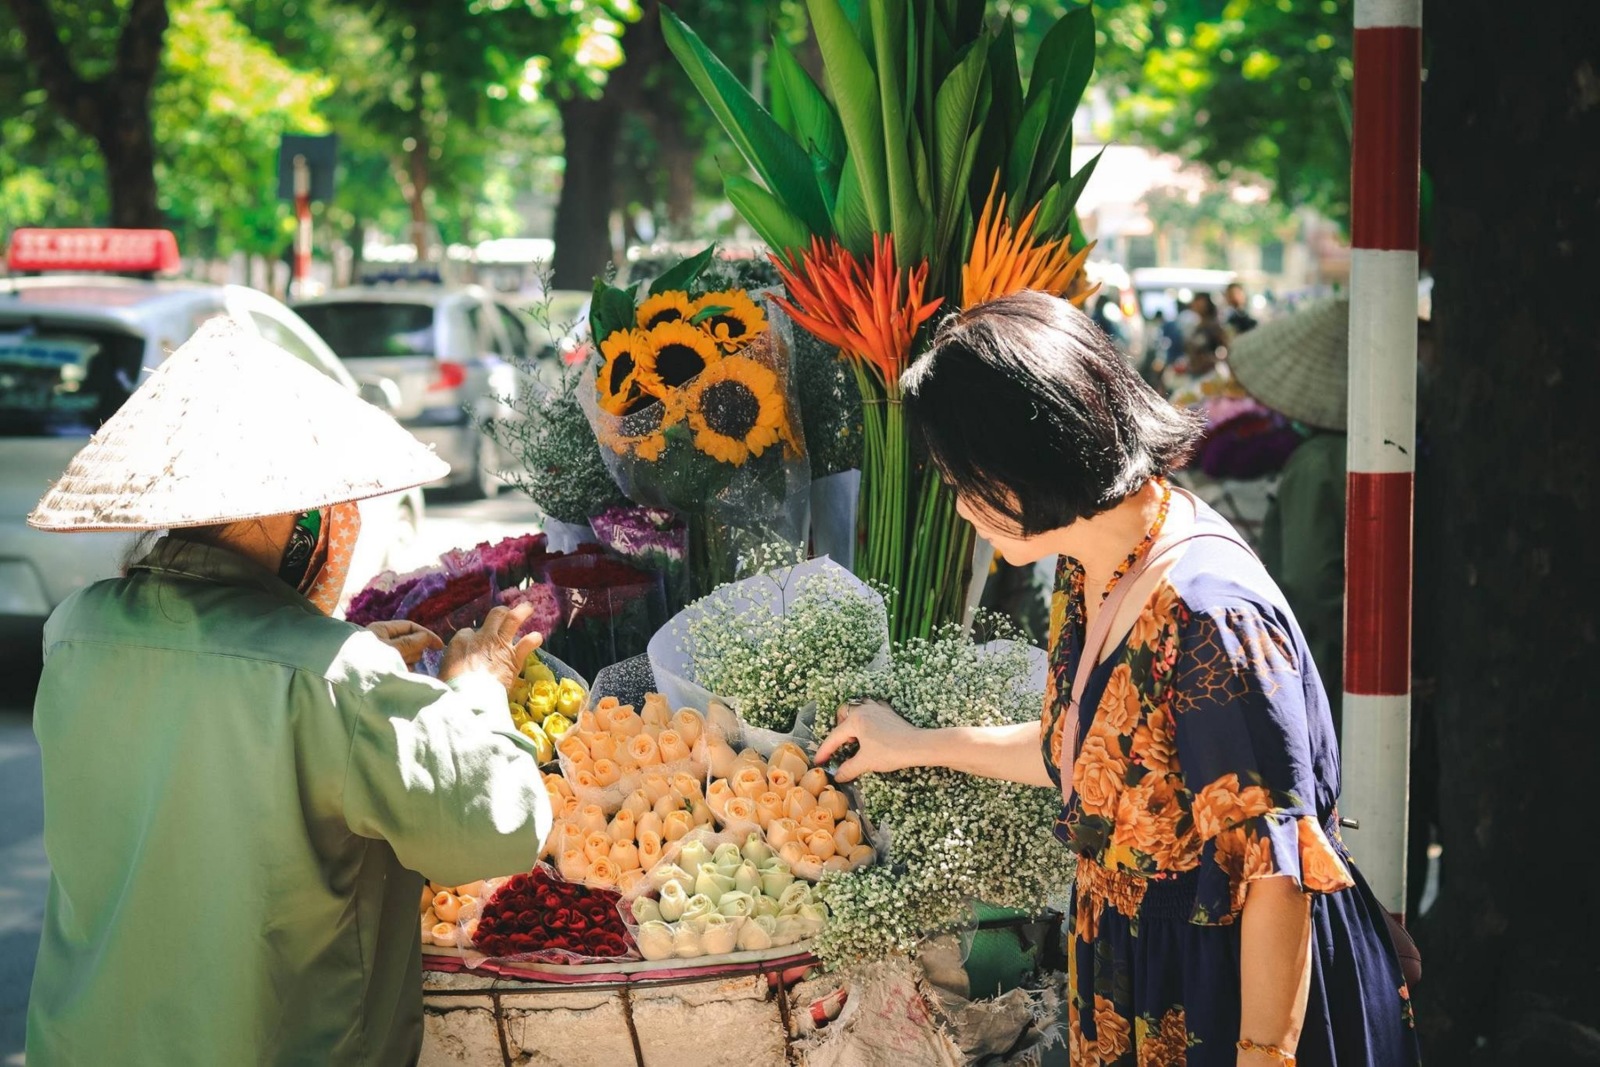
[1095,639]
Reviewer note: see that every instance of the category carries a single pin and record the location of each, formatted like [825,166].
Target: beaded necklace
[1142,549]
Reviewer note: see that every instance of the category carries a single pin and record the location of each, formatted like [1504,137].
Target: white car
[72,348]
[454,353]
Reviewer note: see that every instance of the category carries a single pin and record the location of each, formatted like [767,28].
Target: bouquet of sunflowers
[693,404]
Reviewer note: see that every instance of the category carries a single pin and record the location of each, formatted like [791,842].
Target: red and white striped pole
[1383,415]
[302,231]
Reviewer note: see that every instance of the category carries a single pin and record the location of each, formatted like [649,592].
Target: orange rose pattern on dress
[1164,1042]
[1321,869]
[1113,1033]
[1134,807]
[1120,706]
[1197,767]
[1098,777]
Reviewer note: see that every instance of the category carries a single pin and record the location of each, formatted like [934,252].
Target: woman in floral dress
[1217,917]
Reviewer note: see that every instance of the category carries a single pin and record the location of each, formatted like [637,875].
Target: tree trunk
[127,140]
[113,109]
[358,249]
[416,191]
[1511,124]
[583,215]
[591,129]
[679,155]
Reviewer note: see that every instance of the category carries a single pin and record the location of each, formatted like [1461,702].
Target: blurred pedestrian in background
[1204,342]
[1297,367]
[1238,317]
[1108,316]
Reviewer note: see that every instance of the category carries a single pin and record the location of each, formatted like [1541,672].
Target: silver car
[72,348]
[452,354]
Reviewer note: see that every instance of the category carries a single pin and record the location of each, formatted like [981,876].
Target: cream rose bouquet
[713,902]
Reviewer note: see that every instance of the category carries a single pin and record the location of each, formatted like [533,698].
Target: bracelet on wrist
[1283,1056]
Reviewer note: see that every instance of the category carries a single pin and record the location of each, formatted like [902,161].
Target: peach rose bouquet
[790,806]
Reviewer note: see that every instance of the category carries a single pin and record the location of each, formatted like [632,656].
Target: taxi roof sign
[89,250]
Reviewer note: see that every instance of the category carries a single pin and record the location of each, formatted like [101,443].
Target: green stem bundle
[913,541]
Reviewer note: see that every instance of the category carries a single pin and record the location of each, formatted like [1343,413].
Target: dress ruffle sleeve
[1239,703]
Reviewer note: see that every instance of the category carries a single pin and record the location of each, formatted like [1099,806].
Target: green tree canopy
[1252,86]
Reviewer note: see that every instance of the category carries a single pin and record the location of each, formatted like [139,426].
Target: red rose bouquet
[539,916]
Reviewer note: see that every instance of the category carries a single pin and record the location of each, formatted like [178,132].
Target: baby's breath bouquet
[691,398]
[765,644]
[951,839]
[766,659]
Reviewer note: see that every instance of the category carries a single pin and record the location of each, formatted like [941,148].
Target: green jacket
[1302,545]
[239,792]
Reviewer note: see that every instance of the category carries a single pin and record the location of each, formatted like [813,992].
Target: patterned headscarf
[330,559]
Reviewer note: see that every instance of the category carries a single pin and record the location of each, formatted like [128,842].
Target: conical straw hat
[232,427]
[1299,364]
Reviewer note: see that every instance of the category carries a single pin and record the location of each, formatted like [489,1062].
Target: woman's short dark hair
[1029,409]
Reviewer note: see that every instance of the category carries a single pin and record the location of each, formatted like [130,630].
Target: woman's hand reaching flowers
[494,647]
[883,741]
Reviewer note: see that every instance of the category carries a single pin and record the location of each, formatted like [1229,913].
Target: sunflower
[628,358]
[735,319]
[735,410]
[671,306]
[643,433]
[680,353]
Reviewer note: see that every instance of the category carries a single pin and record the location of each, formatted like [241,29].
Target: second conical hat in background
[232,427]
[1299,364]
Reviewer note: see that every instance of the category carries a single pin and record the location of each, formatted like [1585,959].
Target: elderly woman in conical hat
[240,790]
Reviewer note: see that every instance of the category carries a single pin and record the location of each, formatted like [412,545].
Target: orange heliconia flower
[1006,260]
[871,312]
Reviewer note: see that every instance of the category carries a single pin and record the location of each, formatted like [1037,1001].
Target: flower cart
[704,879]
[707,895]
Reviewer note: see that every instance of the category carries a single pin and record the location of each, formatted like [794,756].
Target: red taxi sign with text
[141,251]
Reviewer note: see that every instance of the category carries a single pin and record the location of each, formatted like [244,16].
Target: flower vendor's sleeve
[1245,749]
[439,773]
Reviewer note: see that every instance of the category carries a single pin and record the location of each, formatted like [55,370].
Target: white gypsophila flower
[768,662]
[953,838]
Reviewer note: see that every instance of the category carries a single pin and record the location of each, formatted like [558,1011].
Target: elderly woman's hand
[407,638]
[884,741]
[494,647]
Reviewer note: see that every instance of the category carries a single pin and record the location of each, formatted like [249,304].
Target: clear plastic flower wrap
[546,617]
[459,602]
[608,609]
[655,539]
[380,600]
[763,644]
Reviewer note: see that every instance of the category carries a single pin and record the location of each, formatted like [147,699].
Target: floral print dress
[1207,758]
